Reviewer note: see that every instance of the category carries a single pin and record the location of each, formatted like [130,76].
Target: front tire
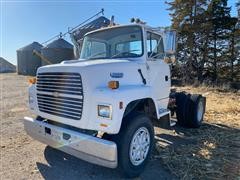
[135,142]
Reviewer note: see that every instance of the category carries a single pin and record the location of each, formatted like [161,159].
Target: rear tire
[190,109]
[135,137]
[197,110]
[182,102]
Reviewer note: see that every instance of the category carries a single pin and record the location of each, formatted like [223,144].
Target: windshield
[120,42]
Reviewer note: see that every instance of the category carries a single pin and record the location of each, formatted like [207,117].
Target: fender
[125,94]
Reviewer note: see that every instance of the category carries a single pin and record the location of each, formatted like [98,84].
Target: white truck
[100,108]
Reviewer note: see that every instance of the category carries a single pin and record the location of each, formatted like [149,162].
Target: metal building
[6,67]
[57,51]
[27,63]
[78,33]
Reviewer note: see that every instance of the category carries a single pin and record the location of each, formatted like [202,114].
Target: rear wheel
[198,104]
[190,109]
[182,102]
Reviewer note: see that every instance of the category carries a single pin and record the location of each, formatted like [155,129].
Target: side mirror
[169,59]
[170,37]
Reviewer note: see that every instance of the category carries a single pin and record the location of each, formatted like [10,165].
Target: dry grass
[215,151]
[222,106]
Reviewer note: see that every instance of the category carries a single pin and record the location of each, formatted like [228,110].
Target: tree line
[208,46]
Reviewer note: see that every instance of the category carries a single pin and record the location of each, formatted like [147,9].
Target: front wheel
[135,142]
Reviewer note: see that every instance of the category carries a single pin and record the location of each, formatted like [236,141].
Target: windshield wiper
[124,53]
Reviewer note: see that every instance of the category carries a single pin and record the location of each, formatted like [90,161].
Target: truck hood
[95,75]
[98,72]
[83,62]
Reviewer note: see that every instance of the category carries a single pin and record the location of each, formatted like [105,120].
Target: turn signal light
[32,80]
[103,125]
[113,84]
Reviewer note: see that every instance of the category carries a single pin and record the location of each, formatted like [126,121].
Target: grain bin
[57,51]
[6,67]
[78,33]
[27,63]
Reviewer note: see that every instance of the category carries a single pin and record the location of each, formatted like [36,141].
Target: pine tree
[219,17]
[207,36]
[186,19]
[232,48]
[237,43]
[238,25]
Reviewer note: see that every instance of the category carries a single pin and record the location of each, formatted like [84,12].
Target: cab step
[165,118]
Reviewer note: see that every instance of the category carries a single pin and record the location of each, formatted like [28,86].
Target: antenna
[112,21]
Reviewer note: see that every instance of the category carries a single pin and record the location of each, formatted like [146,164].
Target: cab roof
[143,26]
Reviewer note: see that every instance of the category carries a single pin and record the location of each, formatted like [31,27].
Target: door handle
[166,78]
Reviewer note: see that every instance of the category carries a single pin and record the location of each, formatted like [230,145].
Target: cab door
[158,71]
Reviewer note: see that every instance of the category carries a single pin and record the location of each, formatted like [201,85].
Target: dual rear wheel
[190,109]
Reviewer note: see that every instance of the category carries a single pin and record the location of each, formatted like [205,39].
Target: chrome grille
[60,94]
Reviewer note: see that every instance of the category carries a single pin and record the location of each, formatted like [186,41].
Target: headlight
[105,111]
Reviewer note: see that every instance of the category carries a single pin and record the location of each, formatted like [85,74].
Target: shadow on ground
[64,166]
[210,151]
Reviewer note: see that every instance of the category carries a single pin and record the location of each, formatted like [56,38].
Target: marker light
[120,105]
[113,84]
[32,80]
[103,125]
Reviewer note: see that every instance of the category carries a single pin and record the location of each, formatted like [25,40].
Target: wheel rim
[200,111]
[139,146]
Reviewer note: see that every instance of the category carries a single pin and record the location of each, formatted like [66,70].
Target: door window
[155,47]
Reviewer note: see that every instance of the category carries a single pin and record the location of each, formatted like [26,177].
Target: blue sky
[23,22]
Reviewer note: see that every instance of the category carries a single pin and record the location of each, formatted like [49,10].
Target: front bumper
[85,147]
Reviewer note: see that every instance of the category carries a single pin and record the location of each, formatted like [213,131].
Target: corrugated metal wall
[58,51]
[27,63]
[6,66]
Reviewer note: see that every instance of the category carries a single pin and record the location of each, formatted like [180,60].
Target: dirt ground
[211,152]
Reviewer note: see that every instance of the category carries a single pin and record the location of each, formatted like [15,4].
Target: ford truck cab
[100,108]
